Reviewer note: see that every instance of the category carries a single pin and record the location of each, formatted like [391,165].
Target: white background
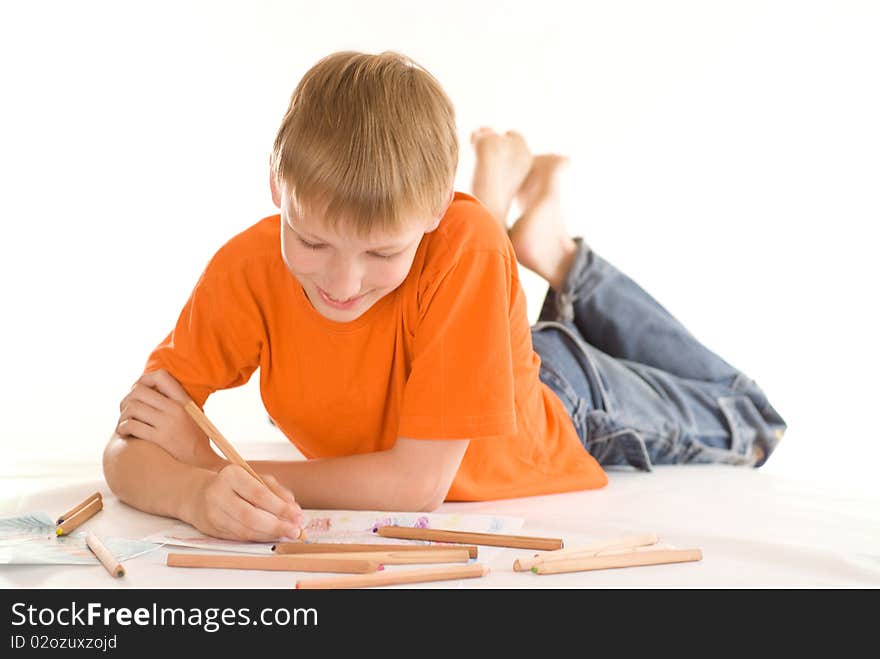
[724,154]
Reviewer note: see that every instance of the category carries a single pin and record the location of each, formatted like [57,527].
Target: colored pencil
[401,557]
[332,547]
[624,542]
[491,539]
[615,560]
[217,437]
[78,507]
[108,560]
[225,446]
[392,578]
[275,563]
[82,515]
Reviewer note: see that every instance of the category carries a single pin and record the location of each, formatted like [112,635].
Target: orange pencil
[390,578]
[84,514]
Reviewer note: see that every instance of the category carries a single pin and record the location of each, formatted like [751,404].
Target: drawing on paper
[352,526]
[30,539]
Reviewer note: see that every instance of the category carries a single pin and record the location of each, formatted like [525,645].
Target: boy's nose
[344,284]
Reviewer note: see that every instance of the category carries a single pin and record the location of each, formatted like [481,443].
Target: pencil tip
[58,531]
[535,570]
[273,547]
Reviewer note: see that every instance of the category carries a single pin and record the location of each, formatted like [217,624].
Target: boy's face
[342,275]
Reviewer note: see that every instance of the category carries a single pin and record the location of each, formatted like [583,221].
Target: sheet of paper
[352,526]
[30,539]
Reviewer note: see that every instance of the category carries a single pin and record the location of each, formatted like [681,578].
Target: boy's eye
[319,246]
[310,245]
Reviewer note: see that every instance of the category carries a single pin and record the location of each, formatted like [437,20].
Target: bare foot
[503,161]
[540,237]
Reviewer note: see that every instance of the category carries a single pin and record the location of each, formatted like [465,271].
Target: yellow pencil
[84,514]
[78,507]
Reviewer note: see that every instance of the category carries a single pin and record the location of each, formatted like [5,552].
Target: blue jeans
[640,389]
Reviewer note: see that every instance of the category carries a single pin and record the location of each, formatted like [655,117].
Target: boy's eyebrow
[312,236]
[291,213]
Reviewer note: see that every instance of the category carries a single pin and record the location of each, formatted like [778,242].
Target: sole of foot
[503,162]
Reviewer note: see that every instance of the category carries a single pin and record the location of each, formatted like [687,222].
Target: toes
[482,131]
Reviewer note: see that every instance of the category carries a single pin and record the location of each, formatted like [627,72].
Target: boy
[392,338]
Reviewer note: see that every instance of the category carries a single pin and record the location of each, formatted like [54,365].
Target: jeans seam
[594,372]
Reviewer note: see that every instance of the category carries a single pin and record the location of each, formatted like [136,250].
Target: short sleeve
[212,346]
[461,384]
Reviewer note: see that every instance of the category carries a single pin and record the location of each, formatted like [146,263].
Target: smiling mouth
[334,302]
[351,299]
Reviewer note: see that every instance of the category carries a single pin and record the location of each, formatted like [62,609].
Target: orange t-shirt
[446,355]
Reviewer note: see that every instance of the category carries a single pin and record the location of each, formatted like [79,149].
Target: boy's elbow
[432,505]
[417,496]
[433,498]
[110,462]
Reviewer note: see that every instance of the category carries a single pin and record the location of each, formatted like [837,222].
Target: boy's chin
[341,316]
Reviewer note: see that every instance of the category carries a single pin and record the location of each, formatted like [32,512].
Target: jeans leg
[631,414]
[614,314]
[618,317]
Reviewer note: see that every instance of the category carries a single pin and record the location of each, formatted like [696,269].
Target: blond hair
[368,139]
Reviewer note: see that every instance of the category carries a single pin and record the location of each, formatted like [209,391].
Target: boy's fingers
[148,395]
[140,411]
[256,524]
[252,491]
[235,518]
[293,511]
[131,428]
[233,525]
[164,382]
[279,489]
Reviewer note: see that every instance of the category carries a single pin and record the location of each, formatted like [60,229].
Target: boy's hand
[232,504]
[153,410]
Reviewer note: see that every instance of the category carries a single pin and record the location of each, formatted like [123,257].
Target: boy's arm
[225,502]
[146,477]
[414,475]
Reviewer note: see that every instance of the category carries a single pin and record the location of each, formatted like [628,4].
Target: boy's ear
[436,221]
[273,186]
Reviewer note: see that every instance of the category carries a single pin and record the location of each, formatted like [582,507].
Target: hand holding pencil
[232,500]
